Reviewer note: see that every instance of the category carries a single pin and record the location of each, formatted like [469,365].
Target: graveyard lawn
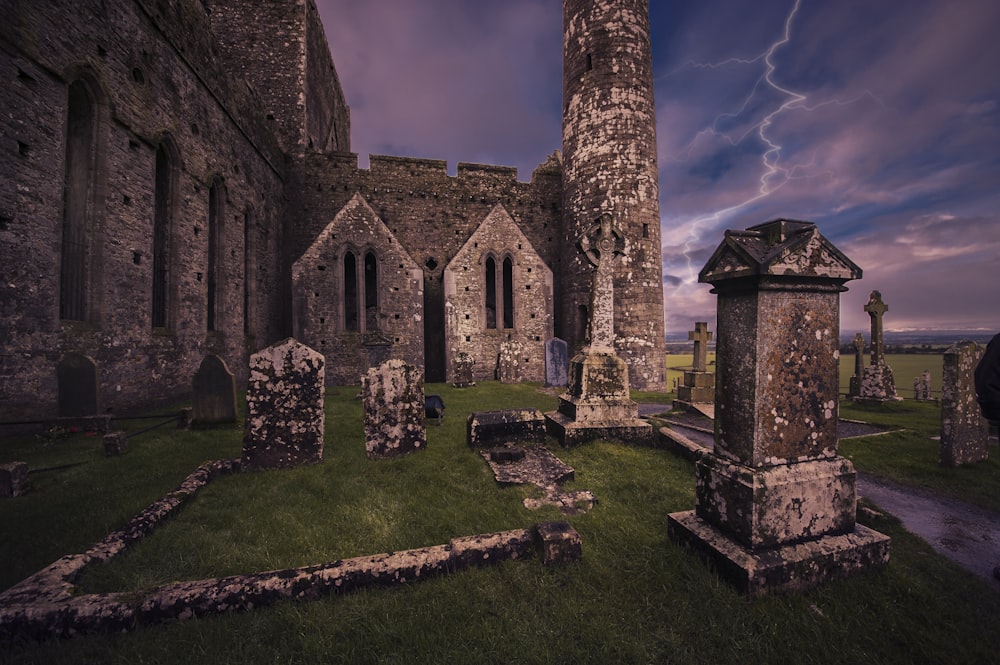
[635,597]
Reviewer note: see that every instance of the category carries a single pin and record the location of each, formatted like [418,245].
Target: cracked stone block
[560,543]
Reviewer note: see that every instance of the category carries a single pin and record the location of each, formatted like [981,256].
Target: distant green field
[905,367]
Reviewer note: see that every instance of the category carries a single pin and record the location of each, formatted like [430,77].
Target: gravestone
[877,383]
[859,366]
[76,376]
[775,503]
[556,362]
[13,479]
[463,370]
[285,417]
[925,385]
[964,431]
[699,384]
[486,428]
[393,399]
[213,393]
[509,362]
[115,444]
[596,404]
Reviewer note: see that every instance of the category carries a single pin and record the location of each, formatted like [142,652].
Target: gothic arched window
[77,227]
[508,292]
[490,292]
[350,292]
[216,215]
[163,187]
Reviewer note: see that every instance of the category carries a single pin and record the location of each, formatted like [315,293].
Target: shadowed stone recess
[285,417]
[775,504]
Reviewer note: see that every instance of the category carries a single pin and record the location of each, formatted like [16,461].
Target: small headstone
[699,383]
[115,444]
[859,366]
[285,417]
[434,407]
[877,383]
[393,399]
[13,479]
[560,543]
[76,376]
[925,382]
[556,362]
[463,370]
[509,362]
[213,393]
[964,431]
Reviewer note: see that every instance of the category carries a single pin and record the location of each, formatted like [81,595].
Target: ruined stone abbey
[178,181]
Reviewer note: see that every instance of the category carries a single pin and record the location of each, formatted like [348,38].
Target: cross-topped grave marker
[601,244]
[701,337]
[876,308]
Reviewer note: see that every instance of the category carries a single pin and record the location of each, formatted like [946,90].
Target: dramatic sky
[878,121]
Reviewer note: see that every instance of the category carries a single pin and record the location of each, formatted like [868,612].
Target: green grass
[635,597]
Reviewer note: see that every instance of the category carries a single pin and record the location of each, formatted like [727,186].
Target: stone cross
[600,245]
[859,355]
[876,308]
[701,337]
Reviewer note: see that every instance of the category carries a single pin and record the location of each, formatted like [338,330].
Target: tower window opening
[491,293]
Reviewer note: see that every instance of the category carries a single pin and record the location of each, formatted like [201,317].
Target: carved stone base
[597,404]
[877,386]
[795,567]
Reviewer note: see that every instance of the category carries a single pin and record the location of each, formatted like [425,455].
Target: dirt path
[966,534]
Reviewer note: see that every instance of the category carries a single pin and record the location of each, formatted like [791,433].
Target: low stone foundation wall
[44,605]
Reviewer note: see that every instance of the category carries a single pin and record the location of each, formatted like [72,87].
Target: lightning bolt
[773,174]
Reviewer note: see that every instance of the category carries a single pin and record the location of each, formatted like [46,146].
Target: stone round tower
[609,167]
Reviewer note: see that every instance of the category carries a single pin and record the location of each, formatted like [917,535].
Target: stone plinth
[877,386]
[775,503]
[13,479]
[488,428]
[393,396]
[213,393]
[285,417]
[699,387]
[964,431]
[597,404]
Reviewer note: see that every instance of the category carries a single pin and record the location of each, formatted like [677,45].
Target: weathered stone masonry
[205,147]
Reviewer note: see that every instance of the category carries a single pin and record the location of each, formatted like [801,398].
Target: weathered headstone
[464,364]
[393,398]
[775,503]
[877,383]
[285,417]
[925,384]
[213,393]
[115,444]
[76,376]
[596,404]
[13,479]
[560,543]
[509,362]
[699,383]
[556,362]
[964,431]
[859,366]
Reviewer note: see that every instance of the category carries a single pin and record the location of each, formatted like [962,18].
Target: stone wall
[155,81]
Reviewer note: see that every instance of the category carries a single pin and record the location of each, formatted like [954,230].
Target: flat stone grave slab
[533,464]
[488,428]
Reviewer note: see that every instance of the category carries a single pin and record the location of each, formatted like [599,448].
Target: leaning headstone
[964,431]
[877,383]
[556,362]
[859,366]
[463,370]
[775,504]
[76,376]
[13,479]
[393,398]
[213,393]
[285,417]
[509,362]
